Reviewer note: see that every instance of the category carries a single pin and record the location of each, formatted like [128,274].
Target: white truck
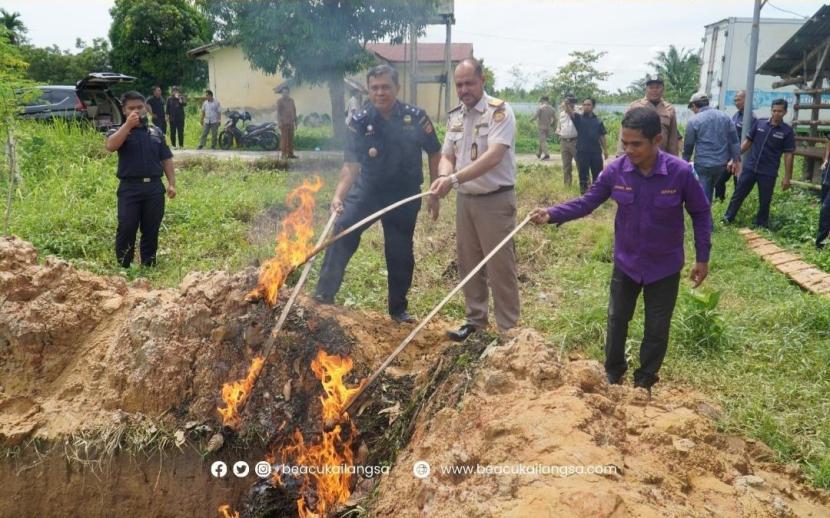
[725,56]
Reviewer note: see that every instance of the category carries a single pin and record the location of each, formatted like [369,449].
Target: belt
[503,188]
[140,179]
[567,139]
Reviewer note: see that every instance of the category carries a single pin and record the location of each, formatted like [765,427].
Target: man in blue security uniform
[143,156]
[382,165]
[767,141]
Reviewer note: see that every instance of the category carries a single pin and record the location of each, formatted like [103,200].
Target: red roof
[426,51]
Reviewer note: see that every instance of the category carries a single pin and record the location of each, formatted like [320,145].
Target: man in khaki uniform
[286,119]
[567,139]
[479,160]
[545,118]
[668,117]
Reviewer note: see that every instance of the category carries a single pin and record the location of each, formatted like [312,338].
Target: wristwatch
[454,180]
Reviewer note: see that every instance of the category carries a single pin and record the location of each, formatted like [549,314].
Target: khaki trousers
[568,148]
[287,140]
[481,223]
[543,141]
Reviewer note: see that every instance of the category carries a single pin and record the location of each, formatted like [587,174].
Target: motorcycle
[249,135]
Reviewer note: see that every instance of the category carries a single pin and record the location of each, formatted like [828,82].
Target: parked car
[90,100]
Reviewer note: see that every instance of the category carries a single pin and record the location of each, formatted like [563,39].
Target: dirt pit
[108,397]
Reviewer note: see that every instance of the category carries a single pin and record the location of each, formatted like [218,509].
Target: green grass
[762,350]
[66,206]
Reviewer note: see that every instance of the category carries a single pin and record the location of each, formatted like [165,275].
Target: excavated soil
[94,372]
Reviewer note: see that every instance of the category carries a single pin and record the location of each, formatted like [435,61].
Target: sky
[536,35]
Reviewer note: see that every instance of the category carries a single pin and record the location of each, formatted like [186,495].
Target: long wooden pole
[432,313]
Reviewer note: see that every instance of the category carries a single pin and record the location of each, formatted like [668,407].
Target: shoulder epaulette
[495,103]
[460,105]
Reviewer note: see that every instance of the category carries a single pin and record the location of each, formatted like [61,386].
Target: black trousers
[140,205]
[161,124]
[177,128]
[660,298]
[720,185]
[586,162]
[824,216]
[746,181]
[398,229]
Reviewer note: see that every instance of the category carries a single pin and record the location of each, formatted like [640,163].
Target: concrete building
[237,85]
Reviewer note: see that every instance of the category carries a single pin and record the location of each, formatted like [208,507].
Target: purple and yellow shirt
[649,226]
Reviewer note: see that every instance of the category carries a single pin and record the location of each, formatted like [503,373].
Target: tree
[316,41]
[51,65]
[680,70]
[579,76]
[14,25]
[150,40]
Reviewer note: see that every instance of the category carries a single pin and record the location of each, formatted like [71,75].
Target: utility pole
[751,66]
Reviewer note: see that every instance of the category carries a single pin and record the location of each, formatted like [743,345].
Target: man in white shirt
[210,120]
[567,139]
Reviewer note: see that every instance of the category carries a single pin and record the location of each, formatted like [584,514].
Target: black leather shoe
[323,299]
[462,333]
[613,380]
[403,318]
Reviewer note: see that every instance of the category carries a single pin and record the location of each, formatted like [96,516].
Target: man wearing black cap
[668,117]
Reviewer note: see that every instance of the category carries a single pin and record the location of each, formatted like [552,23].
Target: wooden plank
[812,152]
[817,140]
[781,258]
[806,185]
[819,122]
[810,106]
[768,249]
[793,267]
[804,274]
[812,91]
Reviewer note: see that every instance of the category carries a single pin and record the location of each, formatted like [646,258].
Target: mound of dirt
[540,426]
[82,355]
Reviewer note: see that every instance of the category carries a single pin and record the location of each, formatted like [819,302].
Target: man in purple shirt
[651,189]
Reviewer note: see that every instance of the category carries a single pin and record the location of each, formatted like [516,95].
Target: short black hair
[780,102]
[132,95]
[383,70]
[545,98]
[208,92]
[643,119]
[476,64]
[593,101]
[701,103]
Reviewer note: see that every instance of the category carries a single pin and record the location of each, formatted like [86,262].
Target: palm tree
[15,26]
[680,70]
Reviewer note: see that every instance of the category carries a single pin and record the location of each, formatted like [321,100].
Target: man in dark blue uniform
[142,157]
[383,164]
[767,141]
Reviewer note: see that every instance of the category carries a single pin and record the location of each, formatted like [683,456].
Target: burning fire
[331,486]
[227,513]
[235,393]
[293,243]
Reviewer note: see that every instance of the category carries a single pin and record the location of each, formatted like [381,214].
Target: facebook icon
[219,469]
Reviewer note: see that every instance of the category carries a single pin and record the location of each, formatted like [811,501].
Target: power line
[786,11]
[568,43]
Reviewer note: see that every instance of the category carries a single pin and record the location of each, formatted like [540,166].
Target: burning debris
[235,393]
[293,243]
[325,467]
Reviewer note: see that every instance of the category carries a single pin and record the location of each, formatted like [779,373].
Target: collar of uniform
[374,113]
[481,105]
[771,125]
[659,164]
[704,108]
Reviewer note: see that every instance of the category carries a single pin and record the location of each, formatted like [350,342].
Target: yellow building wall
[238,86]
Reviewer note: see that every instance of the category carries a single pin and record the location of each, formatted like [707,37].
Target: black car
[90,100]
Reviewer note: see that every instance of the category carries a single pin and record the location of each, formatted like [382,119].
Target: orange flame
[235,393]
[332,486]
[293,243]
[226,511]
